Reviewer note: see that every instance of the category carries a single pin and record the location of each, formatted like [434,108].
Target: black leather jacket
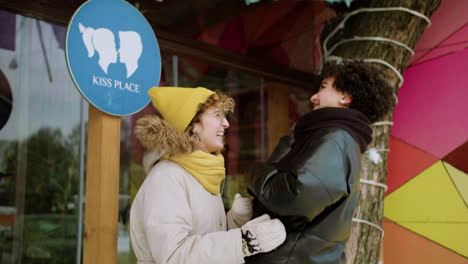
[315,199]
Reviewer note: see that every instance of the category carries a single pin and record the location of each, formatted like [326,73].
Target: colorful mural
[426,205]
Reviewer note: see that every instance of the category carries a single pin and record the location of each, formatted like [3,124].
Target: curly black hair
[371,94]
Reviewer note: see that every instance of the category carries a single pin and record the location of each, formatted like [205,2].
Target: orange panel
[405,162]
[402,246]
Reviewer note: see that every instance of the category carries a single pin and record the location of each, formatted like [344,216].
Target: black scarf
[308,126]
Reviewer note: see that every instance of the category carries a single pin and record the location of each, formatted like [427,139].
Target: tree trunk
[364,245]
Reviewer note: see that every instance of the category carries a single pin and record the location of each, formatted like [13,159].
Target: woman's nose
[225,123]
[313,98]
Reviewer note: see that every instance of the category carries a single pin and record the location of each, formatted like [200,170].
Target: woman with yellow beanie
[178,215]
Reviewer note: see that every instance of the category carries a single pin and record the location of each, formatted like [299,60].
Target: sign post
[102,188]
[113,58]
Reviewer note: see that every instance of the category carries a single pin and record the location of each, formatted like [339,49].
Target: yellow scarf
[207,168]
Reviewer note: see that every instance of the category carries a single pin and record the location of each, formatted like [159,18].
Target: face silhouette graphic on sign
[130,50]
[103,41]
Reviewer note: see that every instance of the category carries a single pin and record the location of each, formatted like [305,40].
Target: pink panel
[457,42]
[460,36]
[440,52]
[433,105]
[449,17]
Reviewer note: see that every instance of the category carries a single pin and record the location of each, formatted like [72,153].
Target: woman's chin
[215,149]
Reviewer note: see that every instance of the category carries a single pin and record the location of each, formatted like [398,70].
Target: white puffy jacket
[173,219]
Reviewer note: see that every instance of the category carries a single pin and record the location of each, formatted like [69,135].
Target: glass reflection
[39,146]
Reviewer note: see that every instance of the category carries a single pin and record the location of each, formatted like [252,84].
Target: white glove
[241,211]
[262,234]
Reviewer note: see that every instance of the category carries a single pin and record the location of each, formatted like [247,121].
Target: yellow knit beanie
[178,105]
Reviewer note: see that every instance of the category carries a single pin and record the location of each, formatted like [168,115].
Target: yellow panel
[460,179]
[451,235]
[429,197]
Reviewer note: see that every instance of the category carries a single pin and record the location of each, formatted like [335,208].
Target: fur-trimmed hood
[159,138]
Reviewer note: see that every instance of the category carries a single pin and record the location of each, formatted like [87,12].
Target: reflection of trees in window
[50,185]
[52,171]
[6,175]
[6,99]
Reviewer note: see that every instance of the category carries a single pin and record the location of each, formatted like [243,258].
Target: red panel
[276,55]
[459,158]
[233,37]
[280,28]
[302,43]
[274,13]
[252,20]
[300,51]
[305,19]
[211,35]
[405,162]
[402,246]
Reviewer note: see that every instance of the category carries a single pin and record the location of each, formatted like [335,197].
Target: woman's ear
[346,99]
[196,128]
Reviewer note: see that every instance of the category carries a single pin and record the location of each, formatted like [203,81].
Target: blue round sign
[113,56]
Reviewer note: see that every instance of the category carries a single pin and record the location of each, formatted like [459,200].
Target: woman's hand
[262,234]
[241,211]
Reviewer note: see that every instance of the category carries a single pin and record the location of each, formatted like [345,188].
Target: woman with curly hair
[311,180]
[178,215]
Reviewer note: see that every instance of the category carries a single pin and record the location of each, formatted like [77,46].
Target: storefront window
[39,146]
